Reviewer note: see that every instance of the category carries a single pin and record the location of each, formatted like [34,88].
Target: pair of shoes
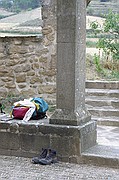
[47,157]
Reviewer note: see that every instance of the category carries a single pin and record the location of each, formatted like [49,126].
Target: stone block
[66,36]
[9,141]
[47,30]
[4,126]
[36,79]
[21,86]
[10,85]
[28,92]
[22,68]
[30,73]
[66,22]
[68,5]
[7,79]
[58,130]
[35,65]
[3,92]
[30,142]
[74,146]
[12,62]
[58,143]
[88,135]
[17,41]
[14,128]
[21,77]
[49,89]
[3,71]
[28,129]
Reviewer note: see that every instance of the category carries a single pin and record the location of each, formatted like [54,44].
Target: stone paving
[108,135]
[18,168]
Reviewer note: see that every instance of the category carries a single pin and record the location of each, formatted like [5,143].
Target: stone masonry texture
[18,168]
[26,67]
[28,63]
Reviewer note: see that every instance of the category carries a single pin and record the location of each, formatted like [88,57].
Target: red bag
[19,112]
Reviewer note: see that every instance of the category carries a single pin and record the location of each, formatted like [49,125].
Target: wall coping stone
[19,35]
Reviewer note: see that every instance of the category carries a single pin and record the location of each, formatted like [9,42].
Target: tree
[110,31]
[107,64]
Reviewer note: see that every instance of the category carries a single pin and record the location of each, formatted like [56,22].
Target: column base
[66,117]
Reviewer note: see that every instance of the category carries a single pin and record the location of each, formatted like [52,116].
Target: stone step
[104,98]
[103,7]
[102,155]
[109,93]
[106,121]
[97,102]
[106,152]
[101,112]
[102,101]
[102,84]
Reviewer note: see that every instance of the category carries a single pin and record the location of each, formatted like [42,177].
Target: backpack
[41,108]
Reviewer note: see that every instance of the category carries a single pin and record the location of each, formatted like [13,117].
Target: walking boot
[43,154]
[50,158]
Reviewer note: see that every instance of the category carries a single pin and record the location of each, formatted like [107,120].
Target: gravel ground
[18,168]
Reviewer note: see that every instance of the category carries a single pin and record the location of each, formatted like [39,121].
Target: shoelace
[44,153]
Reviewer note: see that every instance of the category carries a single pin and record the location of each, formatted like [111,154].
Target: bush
[109,43]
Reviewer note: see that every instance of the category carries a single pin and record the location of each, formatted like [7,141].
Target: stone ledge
[102,155]
[102,84]
[27,139]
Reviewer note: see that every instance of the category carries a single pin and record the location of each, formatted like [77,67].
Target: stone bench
[27,139]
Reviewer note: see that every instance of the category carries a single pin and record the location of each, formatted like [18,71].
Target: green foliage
[95,27]
[90,44]
[115,74]
[111,24]
[110,27]
[96,60]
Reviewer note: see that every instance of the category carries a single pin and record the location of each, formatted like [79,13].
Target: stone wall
[28,64]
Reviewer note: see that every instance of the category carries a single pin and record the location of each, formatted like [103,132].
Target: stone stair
[106,151]
[102,101]
[99,8]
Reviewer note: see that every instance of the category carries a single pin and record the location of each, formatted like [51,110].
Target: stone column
[71,46]
[71,123]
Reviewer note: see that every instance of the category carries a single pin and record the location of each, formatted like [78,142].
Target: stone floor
[108,135]
[18,168]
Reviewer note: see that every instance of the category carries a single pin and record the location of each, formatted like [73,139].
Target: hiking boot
[50,158]
[43,154]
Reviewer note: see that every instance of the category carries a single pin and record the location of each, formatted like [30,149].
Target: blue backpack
[41,108]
